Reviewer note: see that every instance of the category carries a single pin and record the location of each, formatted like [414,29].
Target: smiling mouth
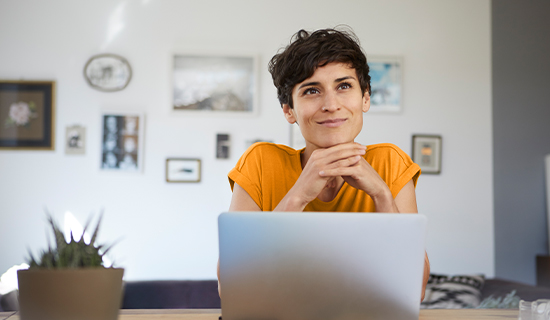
[332,123]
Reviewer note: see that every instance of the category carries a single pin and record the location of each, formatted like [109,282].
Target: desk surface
[213,314]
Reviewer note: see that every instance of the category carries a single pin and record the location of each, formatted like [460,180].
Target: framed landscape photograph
[183,170]
[427,153]
[386,83]
[122,141]
[27,115]
[210,84]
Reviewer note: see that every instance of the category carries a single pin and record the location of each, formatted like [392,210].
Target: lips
[332,123]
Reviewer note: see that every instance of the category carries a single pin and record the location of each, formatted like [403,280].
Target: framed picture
[386,83]
[183,170]
[208,84]
[223,146]
[27,115]
[75,140]
[427,153]
[122,141]
[107,72]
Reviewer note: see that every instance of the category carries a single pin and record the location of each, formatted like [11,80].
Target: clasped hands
[326,165]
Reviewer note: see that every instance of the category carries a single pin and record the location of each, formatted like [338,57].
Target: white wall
[169,230]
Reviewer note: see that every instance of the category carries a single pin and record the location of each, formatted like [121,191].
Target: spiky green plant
[74,254]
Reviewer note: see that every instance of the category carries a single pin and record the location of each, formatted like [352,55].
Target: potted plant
[69,281]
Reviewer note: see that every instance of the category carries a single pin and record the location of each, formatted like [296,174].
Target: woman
[323,85]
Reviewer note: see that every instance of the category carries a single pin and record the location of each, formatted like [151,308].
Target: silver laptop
[317,266]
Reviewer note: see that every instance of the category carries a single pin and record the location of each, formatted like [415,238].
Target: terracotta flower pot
[69,294]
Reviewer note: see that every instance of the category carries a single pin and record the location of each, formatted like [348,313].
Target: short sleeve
[394,166]
[247,173]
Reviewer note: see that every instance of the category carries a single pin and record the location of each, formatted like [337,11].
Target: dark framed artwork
[183,170]
[27,115]
[223,146]
[427,153]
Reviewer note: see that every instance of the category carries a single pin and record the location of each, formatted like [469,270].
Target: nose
[330,103]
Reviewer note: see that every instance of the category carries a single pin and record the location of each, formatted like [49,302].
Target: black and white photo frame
[122,141]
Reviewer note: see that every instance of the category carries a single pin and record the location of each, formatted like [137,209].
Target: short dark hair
[308,51]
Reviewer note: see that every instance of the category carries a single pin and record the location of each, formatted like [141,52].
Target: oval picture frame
[108,72]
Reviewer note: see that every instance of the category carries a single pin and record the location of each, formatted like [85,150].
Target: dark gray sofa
[180,294]
[171,295]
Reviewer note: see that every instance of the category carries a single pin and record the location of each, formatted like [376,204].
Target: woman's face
[329,106]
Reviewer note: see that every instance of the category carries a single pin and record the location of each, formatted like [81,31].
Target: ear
[289,113]
[366,101]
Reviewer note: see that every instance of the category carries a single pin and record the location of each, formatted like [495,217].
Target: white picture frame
[122,141]
[183,170]
[75,140]
[214,84]
[108,72]
[386,83]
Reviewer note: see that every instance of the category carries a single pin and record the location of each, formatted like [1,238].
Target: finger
[341,152]
[347,162]
[340,172]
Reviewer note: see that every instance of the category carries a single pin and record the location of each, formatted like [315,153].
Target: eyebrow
[307,84]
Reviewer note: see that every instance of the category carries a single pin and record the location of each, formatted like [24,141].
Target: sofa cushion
[460,291]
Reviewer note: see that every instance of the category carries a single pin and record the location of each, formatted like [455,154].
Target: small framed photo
[27,115]
[108,72]
[427,153]
[223,146]
[215,84]
[183,170]
[122,141]
[386,83]
[75,140]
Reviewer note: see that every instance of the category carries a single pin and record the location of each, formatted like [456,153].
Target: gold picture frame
[27,115]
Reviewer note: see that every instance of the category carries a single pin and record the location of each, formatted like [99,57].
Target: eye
[344,85]
[310,91]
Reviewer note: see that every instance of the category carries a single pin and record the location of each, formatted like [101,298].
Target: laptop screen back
[321,265]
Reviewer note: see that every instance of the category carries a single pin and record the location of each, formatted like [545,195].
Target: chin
[331,142]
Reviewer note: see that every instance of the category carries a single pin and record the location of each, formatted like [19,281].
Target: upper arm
[242,201]
[406,199]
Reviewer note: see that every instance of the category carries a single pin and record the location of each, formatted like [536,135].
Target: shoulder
[268,148]
[387,152]
[267,151]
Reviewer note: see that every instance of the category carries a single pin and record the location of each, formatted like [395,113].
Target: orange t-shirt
[267,171]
